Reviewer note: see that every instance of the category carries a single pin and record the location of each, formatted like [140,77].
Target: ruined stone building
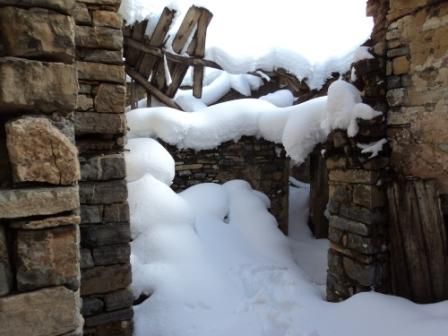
[64,218]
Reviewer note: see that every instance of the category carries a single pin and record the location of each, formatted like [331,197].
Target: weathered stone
[103,192]
[37,86]
[105,167]
[403,51]
[119,300]
[99,38]
[81,14]
[362,245]
[107,19]
[52,311]
[111,254]
[115,328]
[105,234]
[362,215]
[86,259]
[46,223]
[19,203]
[361,273]
[39,152]
[118,315]
[5,269]
[105,279]
[101,72]
[112,3]
[37,33]
[345,224]
[335,235]
[354,176]
[100,123]
[64,6]
[91,306]
[400,65]
[368,196]
[340,192]
[91,214]
[84,103]
[47,258]
[110,98]
[116,213]
[100,56]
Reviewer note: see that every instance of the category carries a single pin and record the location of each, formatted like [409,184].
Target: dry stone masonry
[100,126]
[262,163]
[39,195]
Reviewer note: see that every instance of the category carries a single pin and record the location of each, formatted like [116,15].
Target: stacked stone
[39,199]
[100,129]
[262,163]
[357,258]
[417,79]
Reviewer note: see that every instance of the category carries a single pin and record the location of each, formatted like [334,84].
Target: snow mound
[299,127]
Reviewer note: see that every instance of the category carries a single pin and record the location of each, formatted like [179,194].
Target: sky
[318,30]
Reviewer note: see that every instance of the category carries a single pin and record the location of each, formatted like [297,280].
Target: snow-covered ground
[215,263]
[311,39]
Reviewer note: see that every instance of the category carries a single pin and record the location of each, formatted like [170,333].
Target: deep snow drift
[245,36]
[299,127]
[215,263]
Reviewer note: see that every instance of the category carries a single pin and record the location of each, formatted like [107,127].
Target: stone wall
[357,258]
[263,164]
[100,126]
[39,170]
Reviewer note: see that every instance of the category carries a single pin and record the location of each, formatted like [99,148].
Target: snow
[299,127]
[214,263]
[372,148]
[267,37]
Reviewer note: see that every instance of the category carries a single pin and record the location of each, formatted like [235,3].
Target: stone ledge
[37,86]
[46,223]
[53,311]
[19,203]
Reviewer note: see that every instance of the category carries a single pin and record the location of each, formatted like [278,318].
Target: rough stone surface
[101,56]
[22,86]
[363,274]
[47,312]
[118,315]
[103,168]
[105,279]
[112,254]
[91,306]
[5,269]
[99,38]
[110,98]
[57,261]
[101,72]
[86,259]
[107,19]
[81,14]
[46,223]
[19,203]
[100,123]
[105,234]
[103,192]
[119,300]
[64,6]
[91,214]
[37,33]
[39,152]
[116,213]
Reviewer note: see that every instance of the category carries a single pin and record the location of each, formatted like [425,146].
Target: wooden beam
[201,33]
[186,28]
[151,89]
[138,33]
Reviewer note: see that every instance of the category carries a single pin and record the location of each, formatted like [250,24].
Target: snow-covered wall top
[311,39]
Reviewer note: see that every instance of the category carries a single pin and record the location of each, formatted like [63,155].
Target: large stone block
[107,19]
[119,300]
[103,168]
[116,213]
[64,6]
[101,72]
[48,312]
[37,33]
[37,86]
[105,234]
[99,38]
[5,269]
[112,254]
[39,152]
[110,98]
[100,123]
[118,315]
[47,258]
[105,279]
[100,56]
[103,192]
[19,203]
[365,275]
